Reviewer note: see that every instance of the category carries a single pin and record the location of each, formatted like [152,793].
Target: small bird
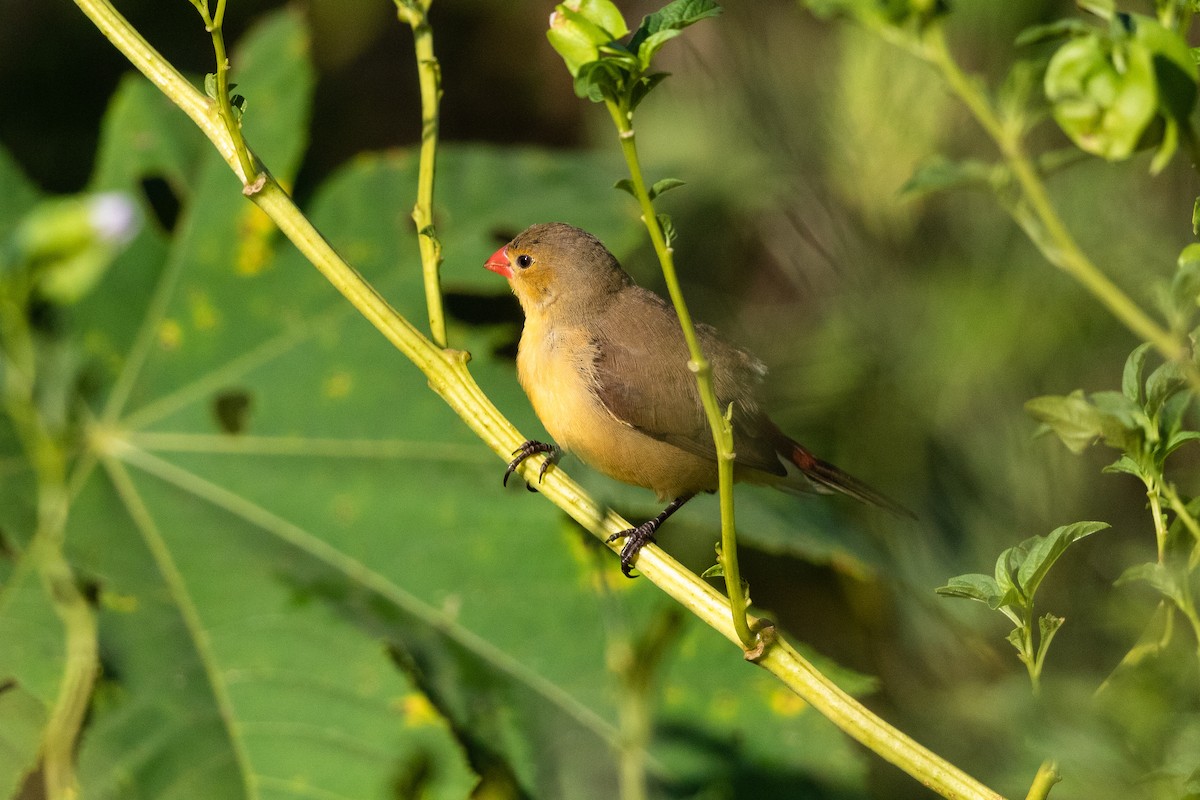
[605,365]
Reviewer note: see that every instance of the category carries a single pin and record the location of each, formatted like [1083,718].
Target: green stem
[1041,221]
[47,457]
[722,431]
[1043,782]
[448,376]
[1189,521]
[429,75]
[1160,524]
[214,24]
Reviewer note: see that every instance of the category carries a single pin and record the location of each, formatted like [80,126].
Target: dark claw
[532,448]
[635,540]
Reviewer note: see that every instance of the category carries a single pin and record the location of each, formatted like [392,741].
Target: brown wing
[641,377]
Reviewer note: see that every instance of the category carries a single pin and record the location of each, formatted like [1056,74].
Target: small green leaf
[1131,379]
[1196,217]
[1185,285]
[1162,384]
[625,185]
[715,571]
[1059,29]
[643,87]
[1048,625]
[1155,574]
[668,228]
[665,185]
[1072,418]
[669,20]
[972,586]
[940,173]
[1046,550]
[1178,439]
[1016,637]
[599,80]
[1126,465]
[210,85]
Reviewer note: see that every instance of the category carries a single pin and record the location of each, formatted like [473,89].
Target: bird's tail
[825,477]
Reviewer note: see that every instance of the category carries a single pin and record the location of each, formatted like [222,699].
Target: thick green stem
[1043,782]
[429,75]
[722,431]
[448,376]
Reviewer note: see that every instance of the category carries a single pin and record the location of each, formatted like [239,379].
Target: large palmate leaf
[310,581]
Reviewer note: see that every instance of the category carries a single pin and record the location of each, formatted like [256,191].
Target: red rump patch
[802,458]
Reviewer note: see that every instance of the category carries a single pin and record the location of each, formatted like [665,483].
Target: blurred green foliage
[325,588]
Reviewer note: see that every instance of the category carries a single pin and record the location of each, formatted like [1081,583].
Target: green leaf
[1163,384]
[1072,418]
[1131,378]
[1185,285]
[1048,625]
[972,586]
[664,185]
[939,174]
[210,85]
[1058,29]
[600,80]
[642,88]
[715,571]
[1179,439]
[1126,465]
[1045,550]
[626,185]
[1158,576]
[659,26]
[668,228]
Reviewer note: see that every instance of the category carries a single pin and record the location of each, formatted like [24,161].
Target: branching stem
[1036,212]
[429,75]
[448,376]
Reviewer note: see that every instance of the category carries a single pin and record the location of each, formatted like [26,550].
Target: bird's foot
[635,540]
[532,448]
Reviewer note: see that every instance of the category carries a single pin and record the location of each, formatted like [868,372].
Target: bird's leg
[642,535]
[532,448]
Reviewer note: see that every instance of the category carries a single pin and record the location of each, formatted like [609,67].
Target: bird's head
[557,267]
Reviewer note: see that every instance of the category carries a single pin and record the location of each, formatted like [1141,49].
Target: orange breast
[555,369]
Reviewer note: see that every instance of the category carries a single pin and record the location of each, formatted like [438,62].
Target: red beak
[499,263]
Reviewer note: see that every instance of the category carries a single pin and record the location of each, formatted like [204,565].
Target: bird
[605,365]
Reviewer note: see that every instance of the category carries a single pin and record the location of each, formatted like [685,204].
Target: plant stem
[429,75]
[48,459]
[1047,775]
[722,431]
[1038,216]
[448,376]
[214,24]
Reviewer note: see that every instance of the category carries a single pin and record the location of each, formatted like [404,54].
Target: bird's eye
[524,261]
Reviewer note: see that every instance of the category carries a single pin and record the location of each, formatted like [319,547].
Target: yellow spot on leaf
[204,313]
[121,603]
[786,703]
[255,230]
[338,385]
[418,711]
[170,334]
